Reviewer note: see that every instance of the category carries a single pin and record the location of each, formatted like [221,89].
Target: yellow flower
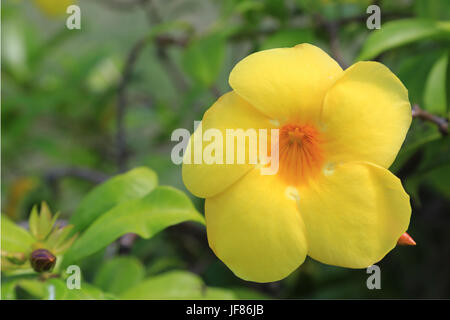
[333,198]
[54,7]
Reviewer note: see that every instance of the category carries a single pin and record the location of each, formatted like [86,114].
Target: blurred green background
[80,106]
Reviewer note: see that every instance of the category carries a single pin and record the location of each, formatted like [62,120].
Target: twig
[244,35]
[81,173]
[332,28]
[166,41]
[121,145]
[162,43]
[202,263]
[363,17]
[152,11]
[126,243]
[441,123]
[172,70]
[215,91]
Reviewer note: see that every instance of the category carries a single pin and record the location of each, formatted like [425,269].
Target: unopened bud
[42,260]
[406,240]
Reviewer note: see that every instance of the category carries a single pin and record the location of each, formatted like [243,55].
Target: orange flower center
[301,156]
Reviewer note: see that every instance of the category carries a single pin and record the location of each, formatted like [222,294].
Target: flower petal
[366,115]
[286,83]
[354,214]
[254,227]
[228,112]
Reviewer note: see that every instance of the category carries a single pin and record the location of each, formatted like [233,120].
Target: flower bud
[406,240]
[42,260]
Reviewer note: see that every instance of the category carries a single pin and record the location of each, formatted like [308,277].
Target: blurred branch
[151,10]
[122,153]
[162,43]
[90,175]
[172,70]
[384,15]
[215,91]
[121,145]
[440,122]
[332,28]
[167,41]
[251,34]
[126,243]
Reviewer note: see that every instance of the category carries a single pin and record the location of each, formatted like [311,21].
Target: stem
[332,28]
[121,144]
[81,173]
[162,43]
[440,122]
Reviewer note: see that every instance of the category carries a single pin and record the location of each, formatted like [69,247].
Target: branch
[121,145]
[440,122]
[215,91]
[81,173]
[172,70]
[332,27]
[166,41]
[363,17]
[126,243]
[162,43]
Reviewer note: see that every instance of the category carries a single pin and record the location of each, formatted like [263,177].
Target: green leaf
[439,178]
[46,48]
[41,224]
[56,289]
[212,293]
[174,285]
[244,6]
[33,222]
[435,97]
[119,274]
[164,264]
[8,290]
[434,9]
[59,236]
[287,38]
[14,238]
[46,221]
[124,187]
[412,70]
[277,9]
[243,293]
[400,32]
[163,207]
[436,154]
[203,59]
[433,169]
[33,287]
[418,137]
